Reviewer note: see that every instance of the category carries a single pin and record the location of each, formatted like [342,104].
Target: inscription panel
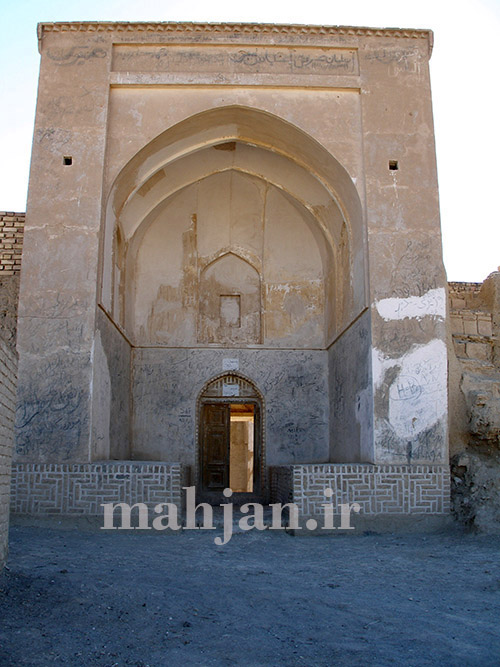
[235,60]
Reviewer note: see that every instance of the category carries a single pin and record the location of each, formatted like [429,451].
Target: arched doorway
[230,441]
[236,230]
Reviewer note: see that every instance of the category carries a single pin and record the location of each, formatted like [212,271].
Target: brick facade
[471,322]
[80,488]
[11,242]
[379,490]
[8,373]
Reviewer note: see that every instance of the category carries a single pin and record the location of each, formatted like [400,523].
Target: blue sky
[465,82]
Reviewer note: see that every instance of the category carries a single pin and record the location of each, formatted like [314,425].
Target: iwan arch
[232,269]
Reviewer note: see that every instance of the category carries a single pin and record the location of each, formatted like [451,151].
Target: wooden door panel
[215,447]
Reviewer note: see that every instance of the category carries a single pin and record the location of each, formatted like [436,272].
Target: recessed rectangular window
[67,160]
[393,165]
[230,310]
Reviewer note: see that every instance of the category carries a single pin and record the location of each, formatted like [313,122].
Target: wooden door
[215,446]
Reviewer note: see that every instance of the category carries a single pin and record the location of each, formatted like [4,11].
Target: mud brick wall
[8,372]
[384,489]
[11,242]
[464,295]
[11,247]
[471,322]
[80,488]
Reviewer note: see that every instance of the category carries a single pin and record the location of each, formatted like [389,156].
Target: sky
[465,87]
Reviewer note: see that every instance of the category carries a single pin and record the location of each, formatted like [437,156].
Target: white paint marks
[432,302]
[418,393]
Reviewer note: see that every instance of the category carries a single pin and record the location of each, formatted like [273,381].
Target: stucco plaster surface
[167,384]
[228,188]
[350,385]
[111,390]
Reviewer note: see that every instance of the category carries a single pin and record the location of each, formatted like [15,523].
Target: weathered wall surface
[472,318]
[475,402]
[260,159]
[351,402]
[61,249]
[9,295]
[111,392]
[475,335]
[11,242]
[407,278]
[167,383]
[8,378]
[230,235]
[11,247]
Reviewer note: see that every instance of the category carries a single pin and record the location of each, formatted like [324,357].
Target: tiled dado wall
[379,489]
[80,488]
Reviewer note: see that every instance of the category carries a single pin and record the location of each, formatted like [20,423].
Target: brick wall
[11,246]
[471,322]
[379,490]
[8,378]
[11,242]
[464,295]
[80,488]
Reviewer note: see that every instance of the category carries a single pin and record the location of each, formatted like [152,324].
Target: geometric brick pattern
[379,489]
[11,242]
[80,488]
[8,374]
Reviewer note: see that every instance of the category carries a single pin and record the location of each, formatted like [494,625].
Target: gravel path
[89,597]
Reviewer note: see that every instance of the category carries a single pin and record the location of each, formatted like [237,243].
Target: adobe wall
[474,411]
[351,399]
[294,384]
[329,128]
[8,380]
[11,243]
[475,363]
[475,402]
[11,247]
[112,402]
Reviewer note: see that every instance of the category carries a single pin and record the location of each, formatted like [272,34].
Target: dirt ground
[88,597]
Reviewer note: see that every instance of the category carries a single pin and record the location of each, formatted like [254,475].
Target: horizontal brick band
[80,488]
[383,489]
